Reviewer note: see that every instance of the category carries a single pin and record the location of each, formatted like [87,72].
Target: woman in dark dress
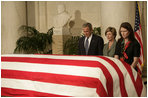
[127,47]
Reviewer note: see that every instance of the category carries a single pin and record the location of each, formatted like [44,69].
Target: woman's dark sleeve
[118,48]
[136,49]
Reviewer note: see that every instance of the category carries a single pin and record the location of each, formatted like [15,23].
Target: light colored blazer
[109,52]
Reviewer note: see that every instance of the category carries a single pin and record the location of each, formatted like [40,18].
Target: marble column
[13,15]
[41,16]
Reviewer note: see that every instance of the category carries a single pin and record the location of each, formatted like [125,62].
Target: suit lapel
[83,43]
[91,42]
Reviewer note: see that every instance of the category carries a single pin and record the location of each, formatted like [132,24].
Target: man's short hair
[87,25]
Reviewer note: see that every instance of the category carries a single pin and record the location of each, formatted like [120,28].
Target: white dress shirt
[89,40]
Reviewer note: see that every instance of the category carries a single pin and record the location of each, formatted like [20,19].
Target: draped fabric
[68,76]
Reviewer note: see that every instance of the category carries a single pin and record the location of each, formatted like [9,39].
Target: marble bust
[61,19]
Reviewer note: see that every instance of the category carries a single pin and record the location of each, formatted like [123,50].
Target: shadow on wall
[76,24]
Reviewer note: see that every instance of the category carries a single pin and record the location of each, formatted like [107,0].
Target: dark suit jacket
[95,48]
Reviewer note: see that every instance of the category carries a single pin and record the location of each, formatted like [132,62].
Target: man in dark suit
[90,44]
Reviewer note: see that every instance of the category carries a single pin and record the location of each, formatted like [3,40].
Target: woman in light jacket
[109,48]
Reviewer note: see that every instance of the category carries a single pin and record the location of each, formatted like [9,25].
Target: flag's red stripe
[51,78]
[101,91]
[58,79]
[109,79]
[138,69]
[85,63]
[141,52]
[121,77]
[140,40]
[139,61]
[140,29]
[67,62]
[26,93]
[139,84]
[93,64]
[63,79]
[129,70]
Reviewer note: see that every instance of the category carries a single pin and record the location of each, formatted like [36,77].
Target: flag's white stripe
[140,35]
[143,93]
[52,56]
[103,80]
[141,59]
[90,58]
[92,72]
[139,66]
[139,43]
[108,66]
[112,71]
[129,86]
[52,88]
[114,74]
[134,73]
[141,56]
[56,69]
[138,32]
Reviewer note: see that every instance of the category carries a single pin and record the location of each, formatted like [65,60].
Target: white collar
[89,37]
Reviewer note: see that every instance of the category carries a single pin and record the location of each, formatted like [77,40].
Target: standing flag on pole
[138,35]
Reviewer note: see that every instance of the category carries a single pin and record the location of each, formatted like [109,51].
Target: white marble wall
[80,11]
[13,15]
[114,13]
[40,15]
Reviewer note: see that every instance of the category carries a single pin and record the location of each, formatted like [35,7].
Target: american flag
[68,76]
[138,35]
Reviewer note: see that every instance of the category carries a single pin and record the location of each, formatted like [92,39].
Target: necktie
[86,46]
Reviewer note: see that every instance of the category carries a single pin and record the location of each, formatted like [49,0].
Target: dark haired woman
[127,47]
[109,48]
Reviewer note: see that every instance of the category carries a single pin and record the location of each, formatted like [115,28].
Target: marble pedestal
[59,37]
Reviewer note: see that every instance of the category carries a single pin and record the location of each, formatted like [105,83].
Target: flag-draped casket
[61,75]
